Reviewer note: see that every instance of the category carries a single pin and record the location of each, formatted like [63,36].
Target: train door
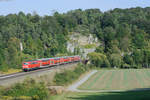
[40,63]
[59,61]
[62,60]
[52,62]
[32,64]
[69,59]
[65,60]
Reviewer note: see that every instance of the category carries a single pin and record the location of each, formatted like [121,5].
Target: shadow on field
[135,94]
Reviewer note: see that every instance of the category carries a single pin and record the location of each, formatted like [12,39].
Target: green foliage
[88,46]
[146,59]
[68,76]
[138,57]
[139,39]
[128,59]
[98,59]
[100,49]
[126,66]
[116,60]
[118,30]
[28,89]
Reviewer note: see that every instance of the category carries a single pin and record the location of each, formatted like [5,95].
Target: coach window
[34,63]
[25,63]
[52,61]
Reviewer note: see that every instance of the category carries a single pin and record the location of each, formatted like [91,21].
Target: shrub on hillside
[68,76]
[16,98]
[115,60]
[98,59]
[29,88]
[89,46]
[126,66]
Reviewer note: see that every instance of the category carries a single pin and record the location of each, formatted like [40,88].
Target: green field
[130,79]
[142,95]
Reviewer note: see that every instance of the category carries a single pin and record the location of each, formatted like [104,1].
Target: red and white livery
[47,62]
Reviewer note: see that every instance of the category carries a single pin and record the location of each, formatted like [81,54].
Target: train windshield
[25,63]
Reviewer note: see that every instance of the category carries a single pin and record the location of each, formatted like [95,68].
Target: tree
[139,39]
[146,58]
[13,53]
[109,35]
[123,35]
[128,59]
[98,59]
[120,31]
[116,60]
[109,20]
[138,57]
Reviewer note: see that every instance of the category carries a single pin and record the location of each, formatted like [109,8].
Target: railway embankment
[47,82]
[47,74]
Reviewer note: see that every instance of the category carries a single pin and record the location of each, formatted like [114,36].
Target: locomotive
[48,62]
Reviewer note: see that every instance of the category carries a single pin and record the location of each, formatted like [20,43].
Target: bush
[116,60]
[24,98]
[16,98]
[69,76]
[126,66]
[98,59]
[89,46]
[27,89]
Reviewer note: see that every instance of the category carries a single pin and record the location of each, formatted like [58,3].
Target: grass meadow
[130,79]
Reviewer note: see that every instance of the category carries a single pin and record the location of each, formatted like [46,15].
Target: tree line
[124,35]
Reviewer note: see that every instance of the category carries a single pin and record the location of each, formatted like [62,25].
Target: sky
[48,7]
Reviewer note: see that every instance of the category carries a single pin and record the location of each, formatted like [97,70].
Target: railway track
[9,75]
[3,77]
[6,78]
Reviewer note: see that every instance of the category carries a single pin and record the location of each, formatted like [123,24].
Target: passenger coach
[47,62]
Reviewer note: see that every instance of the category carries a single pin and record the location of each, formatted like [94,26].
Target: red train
[46,62]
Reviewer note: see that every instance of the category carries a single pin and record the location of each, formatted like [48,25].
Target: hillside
[123,35]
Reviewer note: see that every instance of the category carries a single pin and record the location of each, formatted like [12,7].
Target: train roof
[50,58]
[31,60]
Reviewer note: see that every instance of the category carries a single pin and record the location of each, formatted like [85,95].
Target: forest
[124,35]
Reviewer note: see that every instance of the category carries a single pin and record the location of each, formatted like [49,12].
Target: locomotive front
[25,66]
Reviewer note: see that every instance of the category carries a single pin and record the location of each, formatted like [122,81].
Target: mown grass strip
[101,82]
[125,79]
[146,78]
[86,84]
[95,80]
[147,75]
[139,78]
[132,80]
[116,80]
[110,80]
